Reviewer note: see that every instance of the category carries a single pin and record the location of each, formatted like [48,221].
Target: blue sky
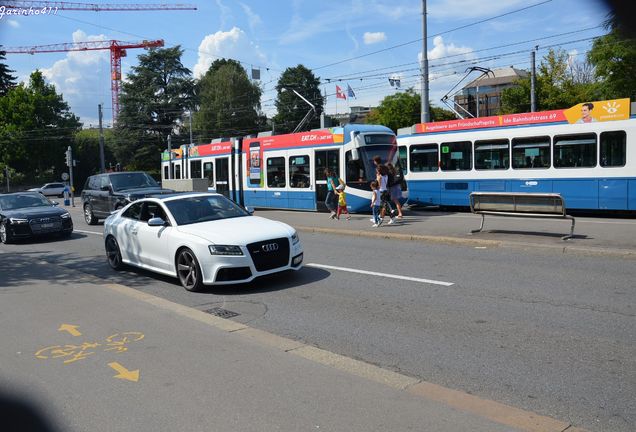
[275,34]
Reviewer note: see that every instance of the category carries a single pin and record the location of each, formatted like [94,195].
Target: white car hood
[238,231]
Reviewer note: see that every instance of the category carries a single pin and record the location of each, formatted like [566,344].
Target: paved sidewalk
[133,361]
[614,237]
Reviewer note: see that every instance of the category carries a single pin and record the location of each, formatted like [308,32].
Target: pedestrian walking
[375,203]
[394,184]
[331,200]
[382,177]
[342,202]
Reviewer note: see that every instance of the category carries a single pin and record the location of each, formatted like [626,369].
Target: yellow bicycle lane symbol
[72,352]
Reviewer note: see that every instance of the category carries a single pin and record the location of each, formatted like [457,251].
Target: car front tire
[189,271]
[89,217]
[5,234]
[113,254]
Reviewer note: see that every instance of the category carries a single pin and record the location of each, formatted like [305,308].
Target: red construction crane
[95,7]
[117,51]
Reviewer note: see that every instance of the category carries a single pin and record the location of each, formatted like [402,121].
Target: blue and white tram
[592,165]
[288,171]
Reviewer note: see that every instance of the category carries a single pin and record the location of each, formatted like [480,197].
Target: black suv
[107,193]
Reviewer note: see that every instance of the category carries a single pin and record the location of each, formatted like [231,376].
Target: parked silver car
[51,189]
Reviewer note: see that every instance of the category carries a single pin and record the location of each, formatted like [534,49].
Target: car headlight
[66,215]
[225,250]
[18,221]
[295,238]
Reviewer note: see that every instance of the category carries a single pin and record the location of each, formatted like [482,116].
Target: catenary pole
[425,117]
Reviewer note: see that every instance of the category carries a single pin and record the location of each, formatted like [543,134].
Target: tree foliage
[404,109]
[614,60]
[560,83]
[154,99]
[36,127]
[290,108]
[7,81]
[229,104]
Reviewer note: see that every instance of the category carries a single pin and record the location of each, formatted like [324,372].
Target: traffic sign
[64,176]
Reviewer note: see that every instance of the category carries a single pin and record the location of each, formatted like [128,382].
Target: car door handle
[134,232]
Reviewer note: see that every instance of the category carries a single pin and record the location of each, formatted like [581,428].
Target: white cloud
[226,13]
[13,23]
[253,19]
[231,44]
[374,37]
[441,51]
[82,77]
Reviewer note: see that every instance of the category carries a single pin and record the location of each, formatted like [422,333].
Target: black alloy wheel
[5,234]
[189,271]
[113,253]
[89,217]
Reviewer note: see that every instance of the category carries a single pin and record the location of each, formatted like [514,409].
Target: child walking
[342,202]
[375,203]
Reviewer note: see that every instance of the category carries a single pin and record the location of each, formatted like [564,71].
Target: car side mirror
[250,210]
[55,203]
[156,221]
[105,188]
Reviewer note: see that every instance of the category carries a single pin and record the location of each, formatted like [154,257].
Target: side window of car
[104,182]
[93,183]
[133,212]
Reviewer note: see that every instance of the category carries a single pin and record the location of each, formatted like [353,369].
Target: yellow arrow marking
[72,329]
[123,373]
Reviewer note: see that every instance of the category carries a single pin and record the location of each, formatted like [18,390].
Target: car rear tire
[189,271]
[113,254]
[89,217]
[5,234]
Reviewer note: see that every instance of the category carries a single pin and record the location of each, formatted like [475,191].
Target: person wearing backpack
[394,185]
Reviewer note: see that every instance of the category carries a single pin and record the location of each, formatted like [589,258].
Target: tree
[86,150]
[229,104]
[290,108]
[154,99]
[560,83]
[614,59]
[7,81]
[36,127]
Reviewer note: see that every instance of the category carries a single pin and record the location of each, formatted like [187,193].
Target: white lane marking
[88,232]
[408,278]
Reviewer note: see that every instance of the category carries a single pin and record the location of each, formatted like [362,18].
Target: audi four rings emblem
[269,247]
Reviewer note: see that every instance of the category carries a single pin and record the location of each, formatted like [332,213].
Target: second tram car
[590,162]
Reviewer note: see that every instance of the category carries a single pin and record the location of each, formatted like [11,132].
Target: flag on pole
[350,92]
[340,94]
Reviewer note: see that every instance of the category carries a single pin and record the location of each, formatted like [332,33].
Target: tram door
[222,176]
[322,160]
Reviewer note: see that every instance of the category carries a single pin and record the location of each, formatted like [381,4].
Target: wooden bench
[534,205]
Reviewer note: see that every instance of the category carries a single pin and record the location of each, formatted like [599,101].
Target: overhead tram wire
[434,35]
[352,76]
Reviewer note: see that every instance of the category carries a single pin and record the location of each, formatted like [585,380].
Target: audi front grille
[269,254]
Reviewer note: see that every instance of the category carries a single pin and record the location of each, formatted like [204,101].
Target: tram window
[299,171]
[424,157]
[177,171]
[575,151]
[208,172]
[531,152]
[195,169]
[276,172]
[402,156]
[166,173]
[456,156]
[492,155]
[613,148]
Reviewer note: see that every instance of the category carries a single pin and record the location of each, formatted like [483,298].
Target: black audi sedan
[29,214]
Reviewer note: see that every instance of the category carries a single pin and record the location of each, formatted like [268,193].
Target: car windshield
[12,202]
[203,209]
[132,181]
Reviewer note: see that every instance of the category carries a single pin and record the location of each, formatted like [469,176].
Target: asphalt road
[546,332]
